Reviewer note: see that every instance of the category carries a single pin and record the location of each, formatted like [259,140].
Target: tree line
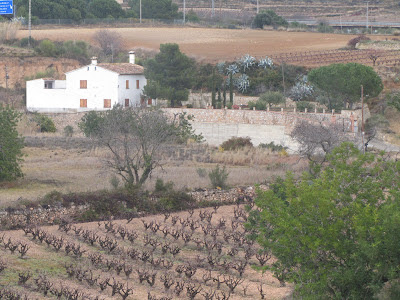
[91,9]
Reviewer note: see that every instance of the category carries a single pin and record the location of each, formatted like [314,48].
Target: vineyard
[327,57]
[198,254]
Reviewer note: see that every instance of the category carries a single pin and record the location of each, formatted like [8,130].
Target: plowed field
[206,44]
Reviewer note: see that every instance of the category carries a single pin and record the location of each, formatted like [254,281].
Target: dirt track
[206,43]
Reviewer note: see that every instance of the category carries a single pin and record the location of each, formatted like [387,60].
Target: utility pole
[212,8]
[6,71]
[257,6]
[140,11]
[362,118]
[184,11]
[283,78]
[7,77]
[30,23]
[367,15]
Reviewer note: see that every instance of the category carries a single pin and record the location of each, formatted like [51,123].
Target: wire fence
[219,21]
[137,22]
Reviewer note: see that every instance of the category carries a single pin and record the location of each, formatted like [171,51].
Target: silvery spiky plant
[247,62]
[232,69]
[242,83]
[221,67]
[302,89]
[265,62]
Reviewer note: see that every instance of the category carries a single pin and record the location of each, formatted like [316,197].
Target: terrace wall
[219,125]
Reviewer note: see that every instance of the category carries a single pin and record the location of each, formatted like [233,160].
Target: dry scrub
[8,30]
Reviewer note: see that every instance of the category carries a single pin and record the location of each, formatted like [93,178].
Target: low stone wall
[17,218]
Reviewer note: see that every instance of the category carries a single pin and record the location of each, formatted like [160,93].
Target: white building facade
[93,87]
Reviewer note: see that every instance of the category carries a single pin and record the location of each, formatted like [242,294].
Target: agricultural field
[207,44]
[187,255]
[71,165]
[369,57]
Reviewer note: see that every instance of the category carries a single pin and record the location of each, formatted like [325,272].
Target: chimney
[132,57]
[94,60]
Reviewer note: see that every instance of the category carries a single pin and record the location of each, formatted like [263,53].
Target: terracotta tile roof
[123,68]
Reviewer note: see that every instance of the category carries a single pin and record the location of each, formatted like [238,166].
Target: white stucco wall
[133,93]
[40,99]
[101,84]
[217,133]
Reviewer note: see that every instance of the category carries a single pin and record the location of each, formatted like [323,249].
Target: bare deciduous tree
[110,42]
[135,137]
[317,140]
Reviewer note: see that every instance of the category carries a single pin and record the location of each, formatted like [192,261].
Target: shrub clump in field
[272,146]
[44,123]
[171,199]
[218,177]
[235,143]
[68,131]
[354,41]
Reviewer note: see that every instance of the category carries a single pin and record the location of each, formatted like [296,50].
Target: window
[126,102]
[107,103]
[83,84]
[48,84]
[149,102]
[83,103]
[137,84]
[127,84]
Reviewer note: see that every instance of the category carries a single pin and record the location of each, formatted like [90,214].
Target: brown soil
[209,44]
[43,259]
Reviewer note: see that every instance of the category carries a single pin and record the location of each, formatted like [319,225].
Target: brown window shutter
[137,84]
[126,102]
[83,84]
[107,103]
[127,84]
[83,103]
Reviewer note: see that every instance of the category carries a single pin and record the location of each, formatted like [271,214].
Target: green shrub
[218,177]
[47,48]
[324,27]
[90,123]
[235,143]
[45,123]
[251,105]
[271,98]
[271,146]
[75,49]
[170,199]
[52,198]
[261,105]
[302,105]
[25,41]
[191,16]
[68,131]
[160,186]
[268,17]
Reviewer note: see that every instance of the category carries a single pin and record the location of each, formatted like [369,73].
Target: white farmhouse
[93,87]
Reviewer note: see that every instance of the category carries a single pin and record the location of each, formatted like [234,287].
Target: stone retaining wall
[11,219]
[257,117]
